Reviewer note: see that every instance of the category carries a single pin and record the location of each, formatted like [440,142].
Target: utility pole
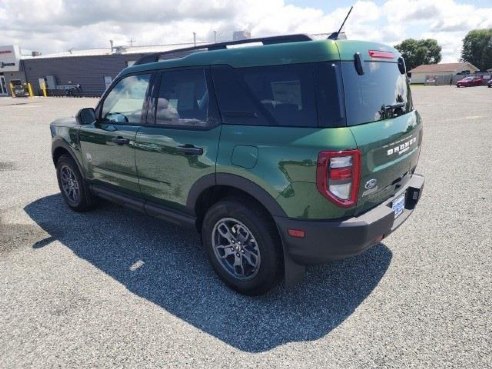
[215,37]
[194,38]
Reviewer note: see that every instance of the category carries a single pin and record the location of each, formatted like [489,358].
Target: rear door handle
[190,149]
[120,140]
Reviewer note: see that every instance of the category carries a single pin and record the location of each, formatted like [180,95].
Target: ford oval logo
[370,184]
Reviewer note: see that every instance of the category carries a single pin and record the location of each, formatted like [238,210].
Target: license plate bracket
[398,205]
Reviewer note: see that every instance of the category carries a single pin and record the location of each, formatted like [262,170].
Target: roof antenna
[334,35]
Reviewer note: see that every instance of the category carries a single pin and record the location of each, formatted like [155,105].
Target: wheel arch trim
[237,182]
[60,143]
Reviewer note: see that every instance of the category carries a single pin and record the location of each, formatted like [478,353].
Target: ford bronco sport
[287,152]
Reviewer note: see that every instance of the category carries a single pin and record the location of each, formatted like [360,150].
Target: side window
[287,92]
[282,95]
[183,98]
[237,105]
[125,102]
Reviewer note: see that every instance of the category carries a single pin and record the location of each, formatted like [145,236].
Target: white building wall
[421,77]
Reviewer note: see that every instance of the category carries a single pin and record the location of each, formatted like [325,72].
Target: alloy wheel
[236,248]
[70,184]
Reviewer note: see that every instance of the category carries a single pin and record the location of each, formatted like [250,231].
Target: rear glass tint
[282,95]
[286,92]
[382,92]
[331,107]
[237,106]
[183,98]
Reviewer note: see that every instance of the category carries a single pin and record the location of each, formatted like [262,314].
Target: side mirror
[86,116]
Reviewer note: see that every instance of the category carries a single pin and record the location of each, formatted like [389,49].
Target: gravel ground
[116,288]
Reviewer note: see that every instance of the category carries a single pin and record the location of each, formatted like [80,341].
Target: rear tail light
[296,233]
[338,176]
[381,54]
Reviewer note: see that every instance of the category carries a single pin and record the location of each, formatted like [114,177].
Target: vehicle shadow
[165,265]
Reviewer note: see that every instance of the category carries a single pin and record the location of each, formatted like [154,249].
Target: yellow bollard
[42,85]
[29,87]
[12,89]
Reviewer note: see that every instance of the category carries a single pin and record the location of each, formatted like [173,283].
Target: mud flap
[293,272]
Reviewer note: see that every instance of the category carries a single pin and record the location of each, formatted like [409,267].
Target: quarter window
[125,102]
[280,95]
[183,98]
[285,92]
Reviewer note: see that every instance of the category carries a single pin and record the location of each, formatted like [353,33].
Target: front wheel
[243,246]
[72,186]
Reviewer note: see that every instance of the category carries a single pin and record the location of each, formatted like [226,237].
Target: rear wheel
[242,246]
[72,186]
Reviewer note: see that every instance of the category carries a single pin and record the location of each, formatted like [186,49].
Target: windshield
[382,92]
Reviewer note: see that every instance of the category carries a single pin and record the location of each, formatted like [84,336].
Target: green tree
[477,48]
[418,52]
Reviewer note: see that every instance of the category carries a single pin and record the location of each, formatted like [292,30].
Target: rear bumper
[327,240]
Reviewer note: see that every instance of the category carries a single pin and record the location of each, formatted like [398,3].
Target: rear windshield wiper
[392,110]
[394,106]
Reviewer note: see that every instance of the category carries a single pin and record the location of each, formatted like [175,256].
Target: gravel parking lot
[116,288]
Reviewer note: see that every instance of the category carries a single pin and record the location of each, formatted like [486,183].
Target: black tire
[241,215]
[72,186]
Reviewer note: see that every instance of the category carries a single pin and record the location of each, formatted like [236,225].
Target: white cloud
[59,25]
[447,21]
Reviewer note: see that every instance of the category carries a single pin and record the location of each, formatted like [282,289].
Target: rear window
[382,92]
[281,95]
[285,92]
[183,98]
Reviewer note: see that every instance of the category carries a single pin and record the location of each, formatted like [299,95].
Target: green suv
[288,152]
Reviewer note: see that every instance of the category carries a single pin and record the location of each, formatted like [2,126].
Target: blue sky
[83,24]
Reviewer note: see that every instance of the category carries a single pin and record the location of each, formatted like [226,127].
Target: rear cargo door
[387,129]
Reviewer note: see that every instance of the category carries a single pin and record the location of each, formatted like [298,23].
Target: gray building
[91,73]
[86,72]
[76,72]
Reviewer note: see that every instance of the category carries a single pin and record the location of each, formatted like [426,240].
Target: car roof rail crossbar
[151,58]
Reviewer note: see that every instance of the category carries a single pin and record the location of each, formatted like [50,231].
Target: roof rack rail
[223,45]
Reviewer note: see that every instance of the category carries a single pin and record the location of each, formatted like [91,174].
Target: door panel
[108,145]
[109,154]
[182,145]
[167,168]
